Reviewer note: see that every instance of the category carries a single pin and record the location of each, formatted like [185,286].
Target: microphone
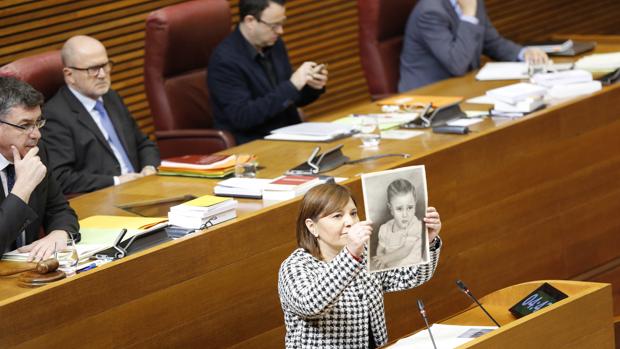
[423,313]
[466,290]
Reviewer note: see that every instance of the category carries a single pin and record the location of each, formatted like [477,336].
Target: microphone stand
[423,313]
[464,288]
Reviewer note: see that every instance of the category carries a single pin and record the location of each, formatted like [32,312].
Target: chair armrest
[192,141]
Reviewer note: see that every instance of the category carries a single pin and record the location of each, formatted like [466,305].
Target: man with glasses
[29,197]
[251,84]
[93,140]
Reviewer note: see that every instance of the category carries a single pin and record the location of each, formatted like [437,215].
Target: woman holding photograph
[400,239]
[328,297]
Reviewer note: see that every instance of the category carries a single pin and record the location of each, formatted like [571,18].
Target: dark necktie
[113,138]
[10,182]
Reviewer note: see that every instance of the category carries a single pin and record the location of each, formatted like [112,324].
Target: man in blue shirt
[251,84]
[445,38]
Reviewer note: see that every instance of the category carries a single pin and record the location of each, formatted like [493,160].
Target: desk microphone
[466,290]
[423,313]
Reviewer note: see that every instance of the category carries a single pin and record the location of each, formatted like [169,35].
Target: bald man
[92,139]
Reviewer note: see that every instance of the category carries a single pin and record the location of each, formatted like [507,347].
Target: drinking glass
[67,258]
[245,166]
[370,134]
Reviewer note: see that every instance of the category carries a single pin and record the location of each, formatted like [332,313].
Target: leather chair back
[179,41]
[42,71]
[381,30]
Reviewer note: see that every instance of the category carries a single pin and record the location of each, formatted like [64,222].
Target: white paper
[464,122]
[476,113]
[400,134]
[503,71]
[446,336]
[481,100]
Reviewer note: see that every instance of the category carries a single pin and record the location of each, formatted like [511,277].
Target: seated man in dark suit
[93,140]
[445,38]
[250,80]
[29,197]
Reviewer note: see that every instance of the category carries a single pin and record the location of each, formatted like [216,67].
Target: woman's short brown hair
[319,202]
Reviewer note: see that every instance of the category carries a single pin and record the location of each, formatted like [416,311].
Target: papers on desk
[512,70]
[516,92]
[84,251]
[386,120]
[562,78]
[241,187]
[446,336]
[311,132]
[599,63]
[503,71]
[203,212]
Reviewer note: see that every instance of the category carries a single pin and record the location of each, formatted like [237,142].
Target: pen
[88,267]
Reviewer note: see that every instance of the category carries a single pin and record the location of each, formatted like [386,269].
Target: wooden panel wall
[323,31]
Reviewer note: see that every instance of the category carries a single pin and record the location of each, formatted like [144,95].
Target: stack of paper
[287,187]
[562,92]
[203,212]
[517,92]
[311,132]
[518,98]
[241,187]
[503,71]
[599,63]
[207,166]
[562,78]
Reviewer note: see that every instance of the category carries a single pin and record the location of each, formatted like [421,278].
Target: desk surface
[520,200]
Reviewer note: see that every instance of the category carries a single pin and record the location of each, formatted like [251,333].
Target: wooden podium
[583,320]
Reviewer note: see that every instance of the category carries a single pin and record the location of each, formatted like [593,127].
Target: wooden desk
[535,198]
[583,320]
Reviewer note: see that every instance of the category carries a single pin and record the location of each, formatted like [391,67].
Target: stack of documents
[599,63]
[503,71]
[518,98]
[562,78]
[241,187]
[207,166]
[289,186]
[203,212]
[311,132]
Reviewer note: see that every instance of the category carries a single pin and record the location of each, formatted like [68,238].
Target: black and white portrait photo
[395,202]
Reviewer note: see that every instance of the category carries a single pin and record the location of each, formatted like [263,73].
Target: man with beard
[251,84]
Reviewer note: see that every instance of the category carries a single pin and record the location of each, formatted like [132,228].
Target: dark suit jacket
[243,100]
[438,45]
[47,208]
[80,157]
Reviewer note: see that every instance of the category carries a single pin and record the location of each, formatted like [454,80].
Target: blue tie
[10,182]
[113,139]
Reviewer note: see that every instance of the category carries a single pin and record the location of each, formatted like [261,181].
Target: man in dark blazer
[30,198]
[93,140]
[251,84]
[445,38]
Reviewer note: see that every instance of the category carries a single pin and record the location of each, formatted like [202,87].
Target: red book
[293,183]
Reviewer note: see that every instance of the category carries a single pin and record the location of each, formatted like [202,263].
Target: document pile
[206,166]
[203,212]
[599,63]
[311,132]
[517,99]
[251,188]
[289,186]
[567,84]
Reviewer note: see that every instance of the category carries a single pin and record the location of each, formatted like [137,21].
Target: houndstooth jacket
[328,304]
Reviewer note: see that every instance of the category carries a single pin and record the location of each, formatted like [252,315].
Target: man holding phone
[252,87]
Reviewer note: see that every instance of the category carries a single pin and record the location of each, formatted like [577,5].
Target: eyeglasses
[273,26]
[27,128]
[94,70]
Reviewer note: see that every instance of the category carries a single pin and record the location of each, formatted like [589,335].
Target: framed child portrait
[396,201]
